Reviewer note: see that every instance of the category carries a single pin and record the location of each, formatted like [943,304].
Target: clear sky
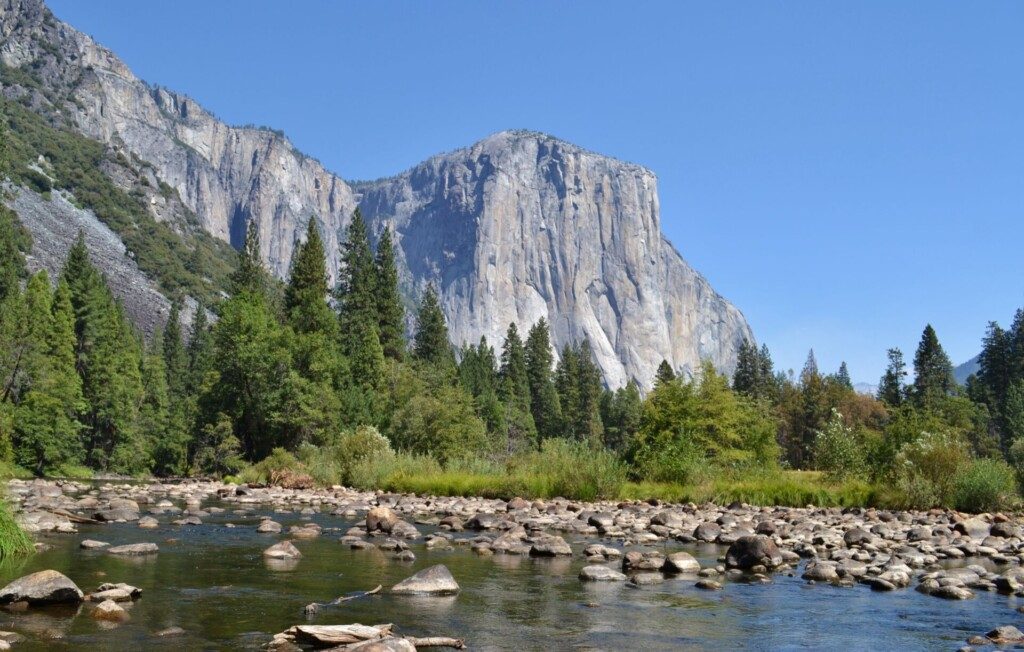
[843,172]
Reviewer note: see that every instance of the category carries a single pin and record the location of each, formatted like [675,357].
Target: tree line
[299,365]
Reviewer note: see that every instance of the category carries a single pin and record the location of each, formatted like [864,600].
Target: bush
[355,446]
[676,460]
[983,485]
[385,471]
[926,468]
[280,468]
[837,452]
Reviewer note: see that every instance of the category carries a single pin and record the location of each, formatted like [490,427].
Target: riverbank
[690,552]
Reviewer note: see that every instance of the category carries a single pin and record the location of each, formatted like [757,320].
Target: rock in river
[110,611]
[681,562]
[598,573]
[753,550]
[436,580]
[44,587]
[283,550]
[135,549]
[381,518]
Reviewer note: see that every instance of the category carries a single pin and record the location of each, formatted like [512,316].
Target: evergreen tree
[664,374]
[175,357]
[14,242]
[478,374]
[933,371]
[431,341]
[357,302]
[810,369]
[620,413]
[514,392]
[199,351]
[890,387]
[250,275]
[156,420]
[544,405]
[843,376]
[755,375]
[578,381]
[1012,428]
[305,296]
[390,313]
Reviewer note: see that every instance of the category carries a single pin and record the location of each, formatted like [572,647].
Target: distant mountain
[518,226]
[972,366]
[866,388]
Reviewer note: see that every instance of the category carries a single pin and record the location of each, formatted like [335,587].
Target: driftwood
[358,595]
[436,641]
[74,518]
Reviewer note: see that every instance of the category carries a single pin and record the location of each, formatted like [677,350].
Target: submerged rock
[436,580]
[110,611]
[135,549]
[44,587]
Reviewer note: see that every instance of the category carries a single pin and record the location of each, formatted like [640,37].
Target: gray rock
[135,549]
[92,544]
[681,562]
[436,580]
[1005,634]
[43,587]
[550,546]
[596,573]
[268,526]
[381,519]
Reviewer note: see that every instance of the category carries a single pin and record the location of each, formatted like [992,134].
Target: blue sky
[843,172]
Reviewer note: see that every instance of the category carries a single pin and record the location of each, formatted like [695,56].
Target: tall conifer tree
[390,313]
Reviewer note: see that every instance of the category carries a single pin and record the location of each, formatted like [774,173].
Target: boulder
[44,587]
[148,523]
[681,562]
[857,537]
[550,546]
[119,592]
[268,526]
[641,560]
[436,580]
[282,550]
[92,544]
[597,573]
[975,528]
[1005,634]
[381,519]
[707,532]
[753,550]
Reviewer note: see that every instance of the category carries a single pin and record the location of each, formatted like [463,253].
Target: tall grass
[14,542]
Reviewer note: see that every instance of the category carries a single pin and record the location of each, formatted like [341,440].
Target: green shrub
[925,469]
[676,459]
[837,452]
[355,446]
[572,470]
[983,485]
[280,468]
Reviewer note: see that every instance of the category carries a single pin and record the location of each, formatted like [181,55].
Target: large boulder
[598,573]
[436,580]
[381,519]
[681,562]
[44,587]
[753,550]
[110,611]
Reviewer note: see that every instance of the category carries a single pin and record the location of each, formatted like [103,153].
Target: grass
[14,542]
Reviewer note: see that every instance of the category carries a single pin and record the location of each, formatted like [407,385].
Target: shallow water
[213,581]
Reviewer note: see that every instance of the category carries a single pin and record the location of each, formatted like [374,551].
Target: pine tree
[250,275]
[390,313]
[514,392]
[431,341]
[305,297]
[567,375]
[843,376]
[589,427]
[664,374]
[156,421]
[890,387]
[748,370]
[199,351]
[1012,428]
[933,371]
[14,242]
[357,302]
[544,405]
[810,369]
[478,375]
[621,413]
[175,358]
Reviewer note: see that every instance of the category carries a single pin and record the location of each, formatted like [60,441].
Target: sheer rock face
[516,227]
[522,226]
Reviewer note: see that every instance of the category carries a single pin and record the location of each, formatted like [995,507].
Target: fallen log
[358,595]
[436,641]
[74,518]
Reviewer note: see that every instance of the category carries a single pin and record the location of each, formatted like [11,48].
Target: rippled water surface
[213,581]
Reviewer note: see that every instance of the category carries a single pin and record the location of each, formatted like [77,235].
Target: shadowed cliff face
[513,228]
